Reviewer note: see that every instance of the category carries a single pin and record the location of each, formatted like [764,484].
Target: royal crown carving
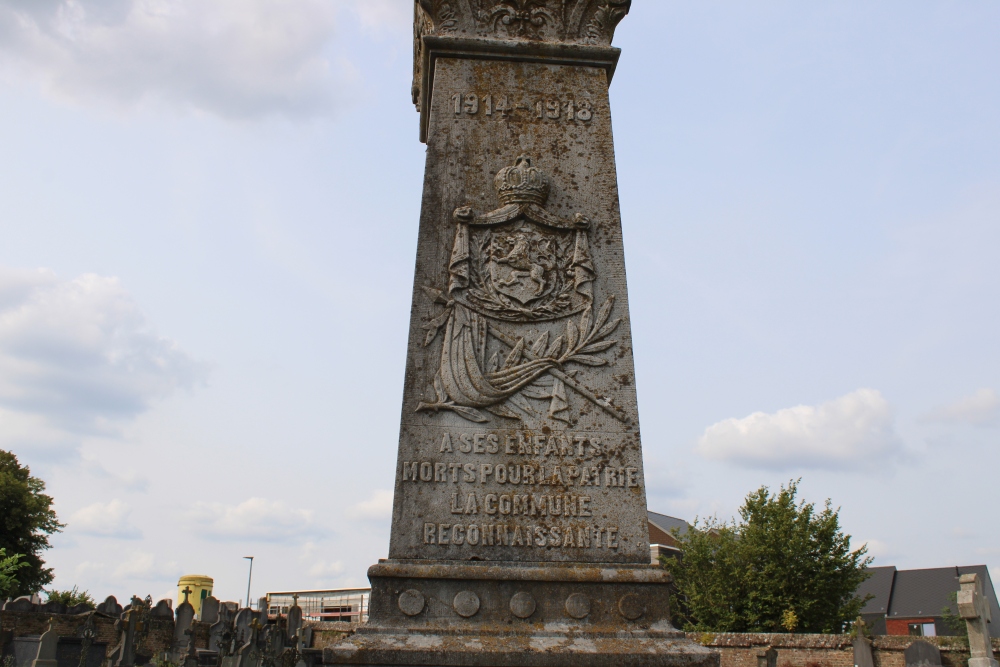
[522,183]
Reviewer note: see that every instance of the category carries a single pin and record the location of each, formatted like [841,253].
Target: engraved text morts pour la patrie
[519,517]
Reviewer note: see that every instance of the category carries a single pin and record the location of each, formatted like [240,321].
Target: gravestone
[243,623]
[77,652]
[217,635]
[250,653]
[24,650]
[110,606]
[768,658]
[863,652]
[190,658]
[209,610]
[22,603]
[922,654]
[519,527]
[262,610]
[162,610]
[53,607]
[182,626]
[294,619]
[975,609]
[48,645]
[132,628]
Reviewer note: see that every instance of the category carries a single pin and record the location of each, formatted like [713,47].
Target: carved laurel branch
[578,344]
[584,340]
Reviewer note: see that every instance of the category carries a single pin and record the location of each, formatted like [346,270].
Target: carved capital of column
[562,31]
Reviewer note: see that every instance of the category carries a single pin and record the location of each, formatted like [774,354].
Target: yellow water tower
[199,586]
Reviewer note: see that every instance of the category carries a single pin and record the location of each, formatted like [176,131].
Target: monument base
[483,614]
[982,662]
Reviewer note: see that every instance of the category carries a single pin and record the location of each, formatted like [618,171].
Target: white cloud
[847,432]
[326,569]
[379,506]
[110,519]
[255,519]
[879,549]
[143,565]
[380,14]
[980,409]
[78,358]
[234,58]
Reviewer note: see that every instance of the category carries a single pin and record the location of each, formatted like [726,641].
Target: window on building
[915,629]
[928,630]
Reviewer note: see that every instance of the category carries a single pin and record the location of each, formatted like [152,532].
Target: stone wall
[793,650]
[328,633]
[28,623]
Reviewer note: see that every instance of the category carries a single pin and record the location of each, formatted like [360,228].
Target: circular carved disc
[411,602]
[577,605]
[522,605]
[466,604]
[631,606]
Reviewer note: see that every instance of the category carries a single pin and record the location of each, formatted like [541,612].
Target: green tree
[9,565]
[71,598]
[955,623]
[26,521]
[784,566]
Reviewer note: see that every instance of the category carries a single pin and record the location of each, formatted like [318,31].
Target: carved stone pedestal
[488,614]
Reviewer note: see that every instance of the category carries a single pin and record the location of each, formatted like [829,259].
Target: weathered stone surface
[537,302]
[975,609]
[47,645]
[110,606]
[209,610]
[922,654]
[519,532]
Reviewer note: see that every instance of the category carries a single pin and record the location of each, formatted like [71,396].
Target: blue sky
[208,214]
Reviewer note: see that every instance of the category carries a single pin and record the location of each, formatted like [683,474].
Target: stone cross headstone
[519,489]
[123,655]
[922,654]
[47,647]
[182,623]
[862,645]
[975,609]
[209,610]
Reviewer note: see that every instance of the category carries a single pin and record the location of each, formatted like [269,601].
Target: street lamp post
[249,576]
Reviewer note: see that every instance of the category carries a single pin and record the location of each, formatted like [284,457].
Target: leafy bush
[783,567]
[72,597]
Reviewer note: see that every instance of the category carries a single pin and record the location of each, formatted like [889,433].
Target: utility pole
[249,576]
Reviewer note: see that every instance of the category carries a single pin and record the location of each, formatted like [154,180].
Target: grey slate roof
[925,592]
[880,586]
[667,523]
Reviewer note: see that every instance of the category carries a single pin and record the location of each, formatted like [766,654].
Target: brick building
[661,542]
[913,602]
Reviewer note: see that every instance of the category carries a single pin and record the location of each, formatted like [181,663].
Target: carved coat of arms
[510,269]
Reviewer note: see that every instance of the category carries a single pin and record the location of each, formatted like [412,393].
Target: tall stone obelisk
[519,521]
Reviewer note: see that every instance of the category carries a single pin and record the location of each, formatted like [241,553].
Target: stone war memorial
[519,532]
